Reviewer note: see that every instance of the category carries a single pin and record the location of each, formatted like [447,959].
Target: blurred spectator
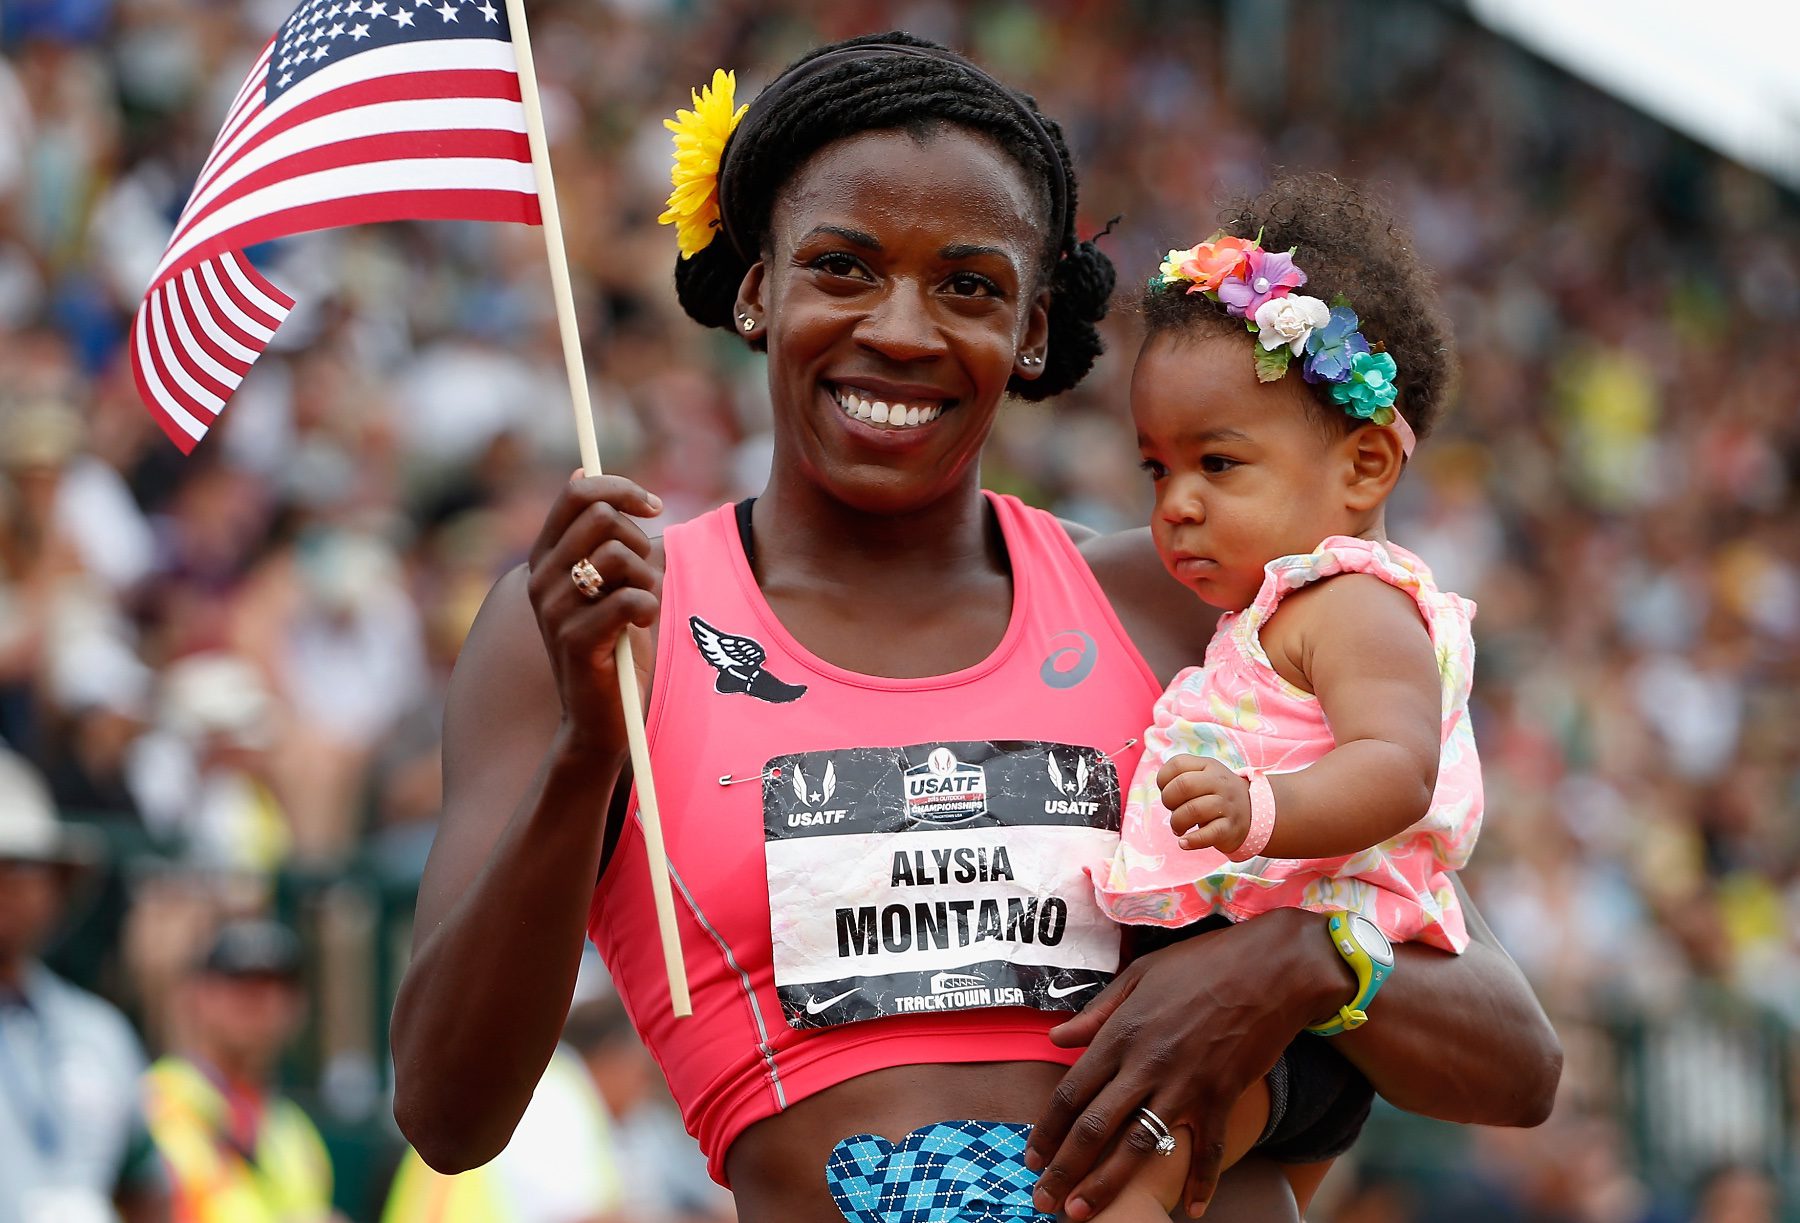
[237,1150]
[1738,1193]
[669,1178]
[599,1141]
[73,1144]
[331,622]
[201,774]
[563,1164]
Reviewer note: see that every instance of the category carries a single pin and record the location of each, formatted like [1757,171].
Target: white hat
[216,694]
[29,828]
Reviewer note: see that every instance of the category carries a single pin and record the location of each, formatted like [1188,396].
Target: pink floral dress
[1237,709]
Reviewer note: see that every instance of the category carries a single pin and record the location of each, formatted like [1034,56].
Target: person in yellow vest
[236,1150]
[563,1164]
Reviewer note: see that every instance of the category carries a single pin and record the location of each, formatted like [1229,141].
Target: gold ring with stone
[587,579]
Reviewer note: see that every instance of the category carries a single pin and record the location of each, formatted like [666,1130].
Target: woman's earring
[748,323]
[1032,361]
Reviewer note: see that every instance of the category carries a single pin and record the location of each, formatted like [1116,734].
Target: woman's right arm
[534,747]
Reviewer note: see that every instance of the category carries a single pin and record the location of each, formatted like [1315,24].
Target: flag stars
[353,8]
[319,53]
[337,30]
[447,13]
[333,11]
[403,18]
[487,10]
[285,78]
[360,32]
[378,9]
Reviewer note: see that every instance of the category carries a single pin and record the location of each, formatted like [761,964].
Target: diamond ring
[1165,1141]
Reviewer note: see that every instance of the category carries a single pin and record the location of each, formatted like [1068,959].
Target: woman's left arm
[1186,1030]
[1464,1039]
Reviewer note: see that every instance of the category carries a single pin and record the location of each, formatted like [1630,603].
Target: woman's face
[901,282]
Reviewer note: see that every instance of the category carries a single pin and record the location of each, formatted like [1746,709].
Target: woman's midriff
[777,1166]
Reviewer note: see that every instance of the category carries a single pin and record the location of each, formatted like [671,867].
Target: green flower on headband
[1369,391]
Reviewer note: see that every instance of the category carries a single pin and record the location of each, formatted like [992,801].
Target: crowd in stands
[241,655]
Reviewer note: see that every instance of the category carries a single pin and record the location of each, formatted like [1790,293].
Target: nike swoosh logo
[1056,991]
[814,1006]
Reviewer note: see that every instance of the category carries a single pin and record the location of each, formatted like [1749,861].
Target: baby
[1321,756]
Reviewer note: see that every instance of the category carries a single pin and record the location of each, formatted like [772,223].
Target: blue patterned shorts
[948,1172]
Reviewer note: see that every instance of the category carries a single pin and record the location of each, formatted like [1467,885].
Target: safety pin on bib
[728,780]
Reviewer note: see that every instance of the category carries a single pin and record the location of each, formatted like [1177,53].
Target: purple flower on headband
[1265,275]
[1331,349]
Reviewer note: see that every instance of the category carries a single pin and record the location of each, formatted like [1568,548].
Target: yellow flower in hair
[700,136]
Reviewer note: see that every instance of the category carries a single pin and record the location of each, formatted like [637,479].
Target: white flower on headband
[1290,320]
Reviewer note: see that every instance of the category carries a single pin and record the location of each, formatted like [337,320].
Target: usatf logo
[813,799]
[816,798]
[1072,784]
[944,790]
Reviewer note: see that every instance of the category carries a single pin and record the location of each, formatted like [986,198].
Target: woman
[900,667]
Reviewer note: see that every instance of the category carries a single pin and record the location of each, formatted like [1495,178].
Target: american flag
[356,111]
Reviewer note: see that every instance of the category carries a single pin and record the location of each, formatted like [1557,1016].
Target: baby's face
[1244,471]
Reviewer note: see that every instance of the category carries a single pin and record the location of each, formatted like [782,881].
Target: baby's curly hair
[1347,242]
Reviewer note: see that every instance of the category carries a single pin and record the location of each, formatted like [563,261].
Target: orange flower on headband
[1209,264]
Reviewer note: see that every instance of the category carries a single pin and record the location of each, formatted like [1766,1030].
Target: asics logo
[1071,659]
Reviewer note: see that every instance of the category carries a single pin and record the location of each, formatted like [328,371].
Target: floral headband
[1258,286]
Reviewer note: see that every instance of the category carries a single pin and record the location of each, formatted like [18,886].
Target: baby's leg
[1156,1189]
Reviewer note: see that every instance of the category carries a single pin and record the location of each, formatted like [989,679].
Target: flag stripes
[195,338]
[418,123]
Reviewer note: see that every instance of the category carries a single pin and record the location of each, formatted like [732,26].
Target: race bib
[938,877]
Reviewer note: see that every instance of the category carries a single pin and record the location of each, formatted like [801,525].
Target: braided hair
[1349,243]
[914,94]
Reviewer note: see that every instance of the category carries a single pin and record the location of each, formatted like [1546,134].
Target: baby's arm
[1360,646]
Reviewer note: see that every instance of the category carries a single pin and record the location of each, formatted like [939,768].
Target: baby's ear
[1373,461]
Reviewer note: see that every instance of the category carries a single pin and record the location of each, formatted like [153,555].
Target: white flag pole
[629,696]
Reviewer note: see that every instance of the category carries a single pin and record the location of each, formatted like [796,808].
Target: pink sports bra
[870,872]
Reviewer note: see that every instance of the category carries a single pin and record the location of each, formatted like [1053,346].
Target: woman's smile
[887,408]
